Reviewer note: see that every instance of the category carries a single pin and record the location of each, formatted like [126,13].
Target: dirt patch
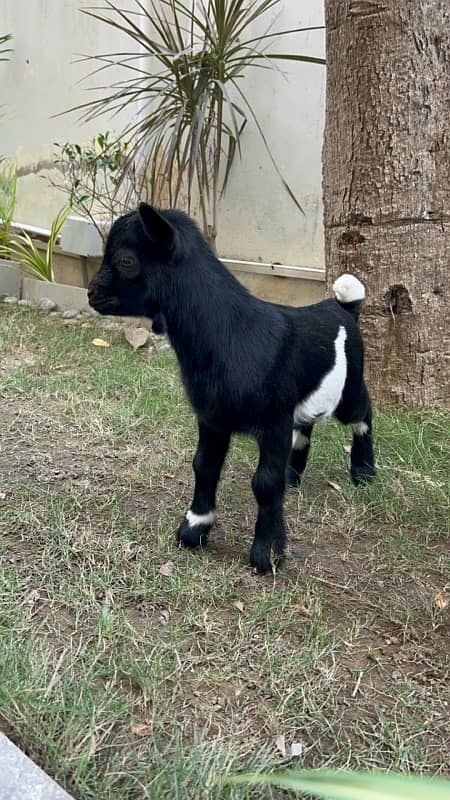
[20,358]
[45,446]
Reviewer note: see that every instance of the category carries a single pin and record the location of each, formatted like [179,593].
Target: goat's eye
[127,264]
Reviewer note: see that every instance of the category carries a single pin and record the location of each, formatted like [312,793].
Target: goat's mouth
[102,303]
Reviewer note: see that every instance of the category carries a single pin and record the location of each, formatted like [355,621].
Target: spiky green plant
[22,248]
[5,51]
[185,65]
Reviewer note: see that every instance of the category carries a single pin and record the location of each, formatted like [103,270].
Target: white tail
[348,289]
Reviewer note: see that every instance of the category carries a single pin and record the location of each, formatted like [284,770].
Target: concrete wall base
[68,291]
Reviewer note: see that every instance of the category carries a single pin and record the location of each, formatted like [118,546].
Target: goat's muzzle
[100,300]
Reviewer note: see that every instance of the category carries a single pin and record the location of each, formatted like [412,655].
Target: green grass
[346,650]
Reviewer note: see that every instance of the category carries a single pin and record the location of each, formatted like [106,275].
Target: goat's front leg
[301,442]
[268,486]
[208,460]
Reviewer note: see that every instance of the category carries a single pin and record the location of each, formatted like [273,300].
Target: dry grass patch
[131,669]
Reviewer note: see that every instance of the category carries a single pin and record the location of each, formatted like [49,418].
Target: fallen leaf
[164,617]
[297,749]
[335,486]
[280,743]
[100,343]
[166,569]
[239,606]
[137,337]
[2,495]
[142,728]
[442,599]
[348,448]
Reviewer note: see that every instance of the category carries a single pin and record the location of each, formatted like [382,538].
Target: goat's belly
[323,401]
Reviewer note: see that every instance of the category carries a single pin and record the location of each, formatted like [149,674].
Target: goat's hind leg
[301,442]
[362,461]
[362,467]
[208,461]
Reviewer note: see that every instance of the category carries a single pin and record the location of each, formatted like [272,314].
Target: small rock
[46,304]
[25,302]
[12,300]
[91,311]
[70,322]
[280,743]
[54,314]
[165,346]
[297,749]
[70,313]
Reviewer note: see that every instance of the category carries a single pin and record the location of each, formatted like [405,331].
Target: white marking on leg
[323,401]
[299,440]
[200,519]
[360,428]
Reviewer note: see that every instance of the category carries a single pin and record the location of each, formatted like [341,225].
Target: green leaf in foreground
[333,785]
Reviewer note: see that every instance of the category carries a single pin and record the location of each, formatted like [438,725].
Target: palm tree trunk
[387,186]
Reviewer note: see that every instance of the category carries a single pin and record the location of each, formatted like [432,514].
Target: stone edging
[13,284]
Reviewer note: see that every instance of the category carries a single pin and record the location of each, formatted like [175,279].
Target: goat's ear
[156,227]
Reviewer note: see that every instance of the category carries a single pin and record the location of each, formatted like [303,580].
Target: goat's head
[139,246]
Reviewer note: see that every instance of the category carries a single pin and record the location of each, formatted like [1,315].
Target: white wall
[258,221]
[39,81]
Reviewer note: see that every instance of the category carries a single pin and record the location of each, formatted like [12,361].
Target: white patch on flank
[348,289]
[323,401]
[360,428]
[299,440]
[200,519]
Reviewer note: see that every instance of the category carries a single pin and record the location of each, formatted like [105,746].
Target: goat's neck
[202,311]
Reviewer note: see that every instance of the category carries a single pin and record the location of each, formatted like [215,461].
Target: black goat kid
[268,370]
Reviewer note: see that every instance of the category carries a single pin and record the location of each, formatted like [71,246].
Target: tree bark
[387,186]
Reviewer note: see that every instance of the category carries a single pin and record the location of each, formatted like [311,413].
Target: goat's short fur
[248,366]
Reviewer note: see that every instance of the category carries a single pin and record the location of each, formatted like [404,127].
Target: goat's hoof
[192,536]
[362,474]
[292,478]
[264,557]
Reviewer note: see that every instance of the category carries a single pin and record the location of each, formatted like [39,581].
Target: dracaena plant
[183,65]
[4,51]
